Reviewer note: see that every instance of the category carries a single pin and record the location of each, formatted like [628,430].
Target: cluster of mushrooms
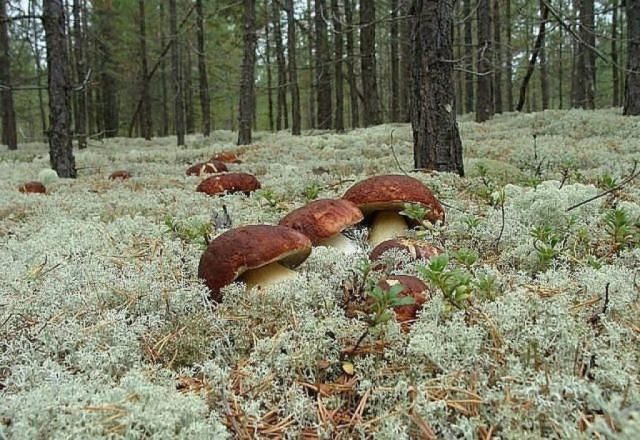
[262,255]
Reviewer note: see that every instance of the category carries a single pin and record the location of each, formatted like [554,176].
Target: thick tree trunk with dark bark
[395,63]
[59,84]
[338,47]
[246,109]
[81,71]
[368,63]
[469,103]
[293,70]
[203,78]
[585,62]
[484,93]
[351,71]
[311,96]
[497,56]
[436,140]
[176,74]
[146,127]
[632,80]
[9,132]
[323,66]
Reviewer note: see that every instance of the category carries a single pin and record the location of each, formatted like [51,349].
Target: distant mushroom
[381,198]
[259,255]
[210,167]
[226,156]
[414,288]
[229,183]
[417,249]
[323,222]
[33,187]
[120,174]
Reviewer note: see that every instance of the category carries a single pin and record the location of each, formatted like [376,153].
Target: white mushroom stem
[387,225]
[340,242]
[267,275]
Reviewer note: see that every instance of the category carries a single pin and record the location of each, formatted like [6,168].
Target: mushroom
[226,156]
[323,221]
[229,183]
[417,249]
[120,174]
[381,198]
[414,288]
[210,167]
[33,187]
[259,255]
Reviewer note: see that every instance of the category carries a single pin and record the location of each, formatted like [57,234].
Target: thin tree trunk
[80,66]
[484,93]
[561,66]
[177,79]
[632,81]
[436,140]
[267,56]
[585,63]
[145,116]
[368,62]
[190,118]
[497,53]
[163,74]
[203,79]
[246,109]
[312,77]
[9,132]
[293,70]
[323,66]
[469,103]
[544,13]
[282,113]
[544,79]
[59,84]
[508,51]
[105,39]
[395,65]
[36,53]
[338,46]
[614,55]
[351,74]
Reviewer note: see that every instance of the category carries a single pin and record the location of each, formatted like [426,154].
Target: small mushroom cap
[226,156]
[391,192]
[229,183]
[323,218]
[249,247]
[120,174]
[414,288]
[418,249]
[32,187]
[210,167]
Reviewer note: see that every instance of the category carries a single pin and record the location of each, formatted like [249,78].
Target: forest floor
[106,331]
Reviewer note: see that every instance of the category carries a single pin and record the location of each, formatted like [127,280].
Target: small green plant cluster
[622,230]
[194,232]
[546,243]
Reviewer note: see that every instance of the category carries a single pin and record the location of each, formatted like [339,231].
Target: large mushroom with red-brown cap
[323,222]
[226,156]
[417,249]
[120,174]
[259,255]
[210,167]
[381,198]
[412,287]
[229,183]
[33,187]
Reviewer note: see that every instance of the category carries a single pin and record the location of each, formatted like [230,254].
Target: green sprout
[546,240]
[620,228]
[455,284]
[194,232]
[312,191]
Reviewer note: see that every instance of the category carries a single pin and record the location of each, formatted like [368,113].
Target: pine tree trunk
[246,109]
[614,55]
[469,104]
[338,47]
[163,74]
[395,65]
[508,52]
[145,115]
[351,71]
[108,98]
[81,70]
[177,79]
[190,117]
[484,93]
[497,54]
[311,68]
[59,84]
[203,78]
[544,78]
[544,14]
[267,56]
[293,70]
[368,63]
[37,55]
[323,66]
[282,113]
[632,80]
[585,60]
[9,132]
[436,140]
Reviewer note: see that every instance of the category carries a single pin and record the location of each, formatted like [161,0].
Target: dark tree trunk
[163,74]
[312,77]
[632,80]
[484,93]
[436,140]
[146,126]
[282,114]
[405,60]
[38,65]
[614,55]
[203,79]
[267,56]
[368,63]
[338,46]
[497,54]
[395,65]
[108,98]
[59,83]
[323,66]
[89,56]
[246,109]
[544,13]
[508,51]
[293,70]
[81,71]
[190,118]
[469,104]
[9,132]
[351,71]
[585,63]
[178,81]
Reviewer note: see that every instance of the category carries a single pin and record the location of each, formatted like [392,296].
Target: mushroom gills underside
[267,275]
[385,226]
[340,242]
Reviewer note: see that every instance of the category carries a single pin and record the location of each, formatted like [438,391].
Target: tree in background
[79,53]
[632,80]
[202,71]
[293,70]
[176,74]
[9,134]
[247,109]
[371,101]
[323,66]
[146,126]
[484,94]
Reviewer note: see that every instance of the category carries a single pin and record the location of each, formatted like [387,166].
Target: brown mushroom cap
[249,247]
[391,192]
[226,156]
[120,174]
[418,249]
[211,167]
[229,183]
[413,287]
[323,218]
[33,187]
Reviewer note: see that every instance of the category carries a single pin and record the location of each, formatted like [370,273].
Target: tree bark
[323,66]
[497,56]
[106,38]
[585,62]
[267,56]
[368,63]
[544,13]
[246,109]
[190,117]
[163,73]
[59,85]
[293,70]
[312,78]
[395,62]
[469,103]
[436,140]
[614,55]
[145,115]
[338,47]
[81,71]
[9,132]
[351,71]
[632,80]
[544,78]
[176,74]
[205,104]
[484,92]
[282,113]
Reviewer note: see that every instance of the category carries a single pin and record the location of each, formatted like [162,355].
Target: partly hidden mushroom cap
[391,192]
[120,174]
[238,250]
[229,183]
[210,167]
[323,218]
[417,249]
[33,187]
[414,288]
[226,156]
